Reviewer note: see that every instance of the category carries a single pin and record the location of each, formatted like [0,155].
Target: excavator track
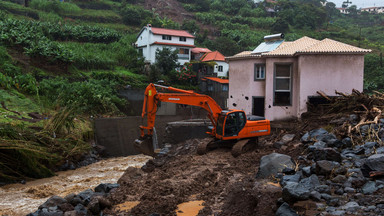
[203,146]
[242,146]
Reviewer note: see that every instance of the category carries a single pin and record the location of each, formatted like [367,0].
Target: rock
[293,192]
[349,190]
[373,163]
[364,129]
[339,179]
[323,189]
[315,196]
[357,182]
[327,154]
[353,118]
[326,197]
[371,208]
[105,188]
[337,213]
[70,197]
[65,207]
[285,210]
[351,206]
[347,142]
[54,201]
[339,191]
[334,143]
[380,150]
[324,167]
[316,135]
[86,196]
[370,144]
[287,138]
[94,206]
[333,202]
[290,178]
[317,145]
[306,170]
[274,163]
[369,187]
[278,144]
[51,213]
[81,210]
[310,183]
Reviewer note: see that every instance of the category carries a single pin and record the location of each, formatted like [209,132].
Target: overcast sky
[360,3]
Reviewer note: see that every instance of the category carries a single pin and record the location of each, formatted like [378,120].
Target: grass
[101,16]
[19,10]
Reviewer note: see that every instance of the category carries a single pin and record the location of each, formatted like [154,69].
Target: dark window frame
[220,67]
[167,37]
[183,39]
[290,64]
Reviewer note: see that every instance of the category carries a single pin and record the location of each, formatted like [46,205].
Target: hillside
[63,63]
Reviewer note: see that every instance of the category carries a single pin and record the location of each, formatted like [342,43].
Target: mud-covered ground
[226,185]
[20,199]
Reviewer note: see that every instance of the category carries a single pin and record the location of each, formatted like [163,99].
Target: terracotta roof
[244,54]
[173,44]
[219,80]
[213,56]
[172,32]
[292,48]
[332,46]
[200,50]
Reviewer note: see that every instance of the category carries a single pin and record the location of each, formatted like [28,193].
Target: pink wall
[329,73]
[242,84]
[280,112]
[310,74]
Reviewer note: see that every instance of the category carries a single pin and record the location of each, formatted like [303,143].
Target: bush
[134,15]
[55,6]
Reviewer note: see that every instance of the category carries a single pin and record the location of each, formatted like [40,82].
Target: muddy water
[18,199]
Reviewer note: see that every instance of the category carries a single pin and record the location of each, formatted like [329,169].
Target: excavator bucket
[145,145]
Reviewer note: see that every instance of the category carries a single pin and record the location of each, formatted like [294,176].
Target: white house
[373,9]
[221,68]
[150,39]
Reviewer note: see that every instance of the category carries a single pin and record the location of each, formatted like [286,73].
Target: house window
[184,39]
[259,71]
[225,87]
[220,69]
[167,37]
[141,51]
[283,85]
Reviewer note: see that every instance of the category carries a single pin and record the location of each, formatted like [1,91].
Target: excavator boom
[152,97]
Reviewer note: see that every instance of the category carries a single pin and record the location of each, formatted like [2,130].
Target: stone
[65,207]
[353,118]
[94,206]
[347,142]
[323,189]
[380,150]
[317,145]
[306,170]
[287,138]
[105,188]
[53,201]
[70,197]
[315,196]
[326,197]
[337,213]
[334,143]
[288,171]
[285,210]
[373,163]
[339,191]
[278,144]
[351,206]
[80,209]
[313,135]
[369,187]
[327,154]
[370,144]
[325,167]
[310,183]
[274,163]
[290,178]
[349,190]
[333,202]
[339,179]
[293,192]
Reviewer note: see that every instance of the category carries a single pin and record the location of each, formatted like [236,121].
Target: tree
[352,10]
[166,60]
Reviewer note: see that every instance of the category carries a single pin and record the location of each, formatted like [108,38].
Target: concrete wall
[117,135]
[224,73]
[329,73]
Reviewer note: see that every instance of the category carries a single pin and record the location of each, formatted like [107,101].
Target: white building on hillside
[150,39]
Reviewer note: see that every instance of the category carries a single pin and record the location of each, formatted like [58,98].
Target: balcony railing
[183,56]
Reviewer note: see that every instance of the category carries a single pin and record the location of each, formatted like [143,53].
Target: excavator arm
[152,98]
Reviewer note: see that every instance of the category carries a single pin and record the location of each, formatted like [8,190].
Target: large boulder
[293,192]
[54,201]
[327,154]
[274,163]
[324,167]
[317,135]
[285,210]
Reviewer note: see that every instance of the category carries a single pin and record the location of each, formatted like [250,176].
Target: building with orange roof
[221,67]
[151,38]
[279,78]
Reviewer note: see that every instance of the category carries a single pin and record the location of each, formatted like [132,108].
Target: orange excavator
[229,126]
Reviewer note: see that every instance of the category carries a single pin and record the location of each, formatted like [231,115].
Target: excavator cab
[230,123]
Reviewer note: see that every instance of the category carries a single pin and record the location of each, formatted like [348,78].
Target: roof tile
[213,56]
[216,79]
[332,46]
[291,48]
